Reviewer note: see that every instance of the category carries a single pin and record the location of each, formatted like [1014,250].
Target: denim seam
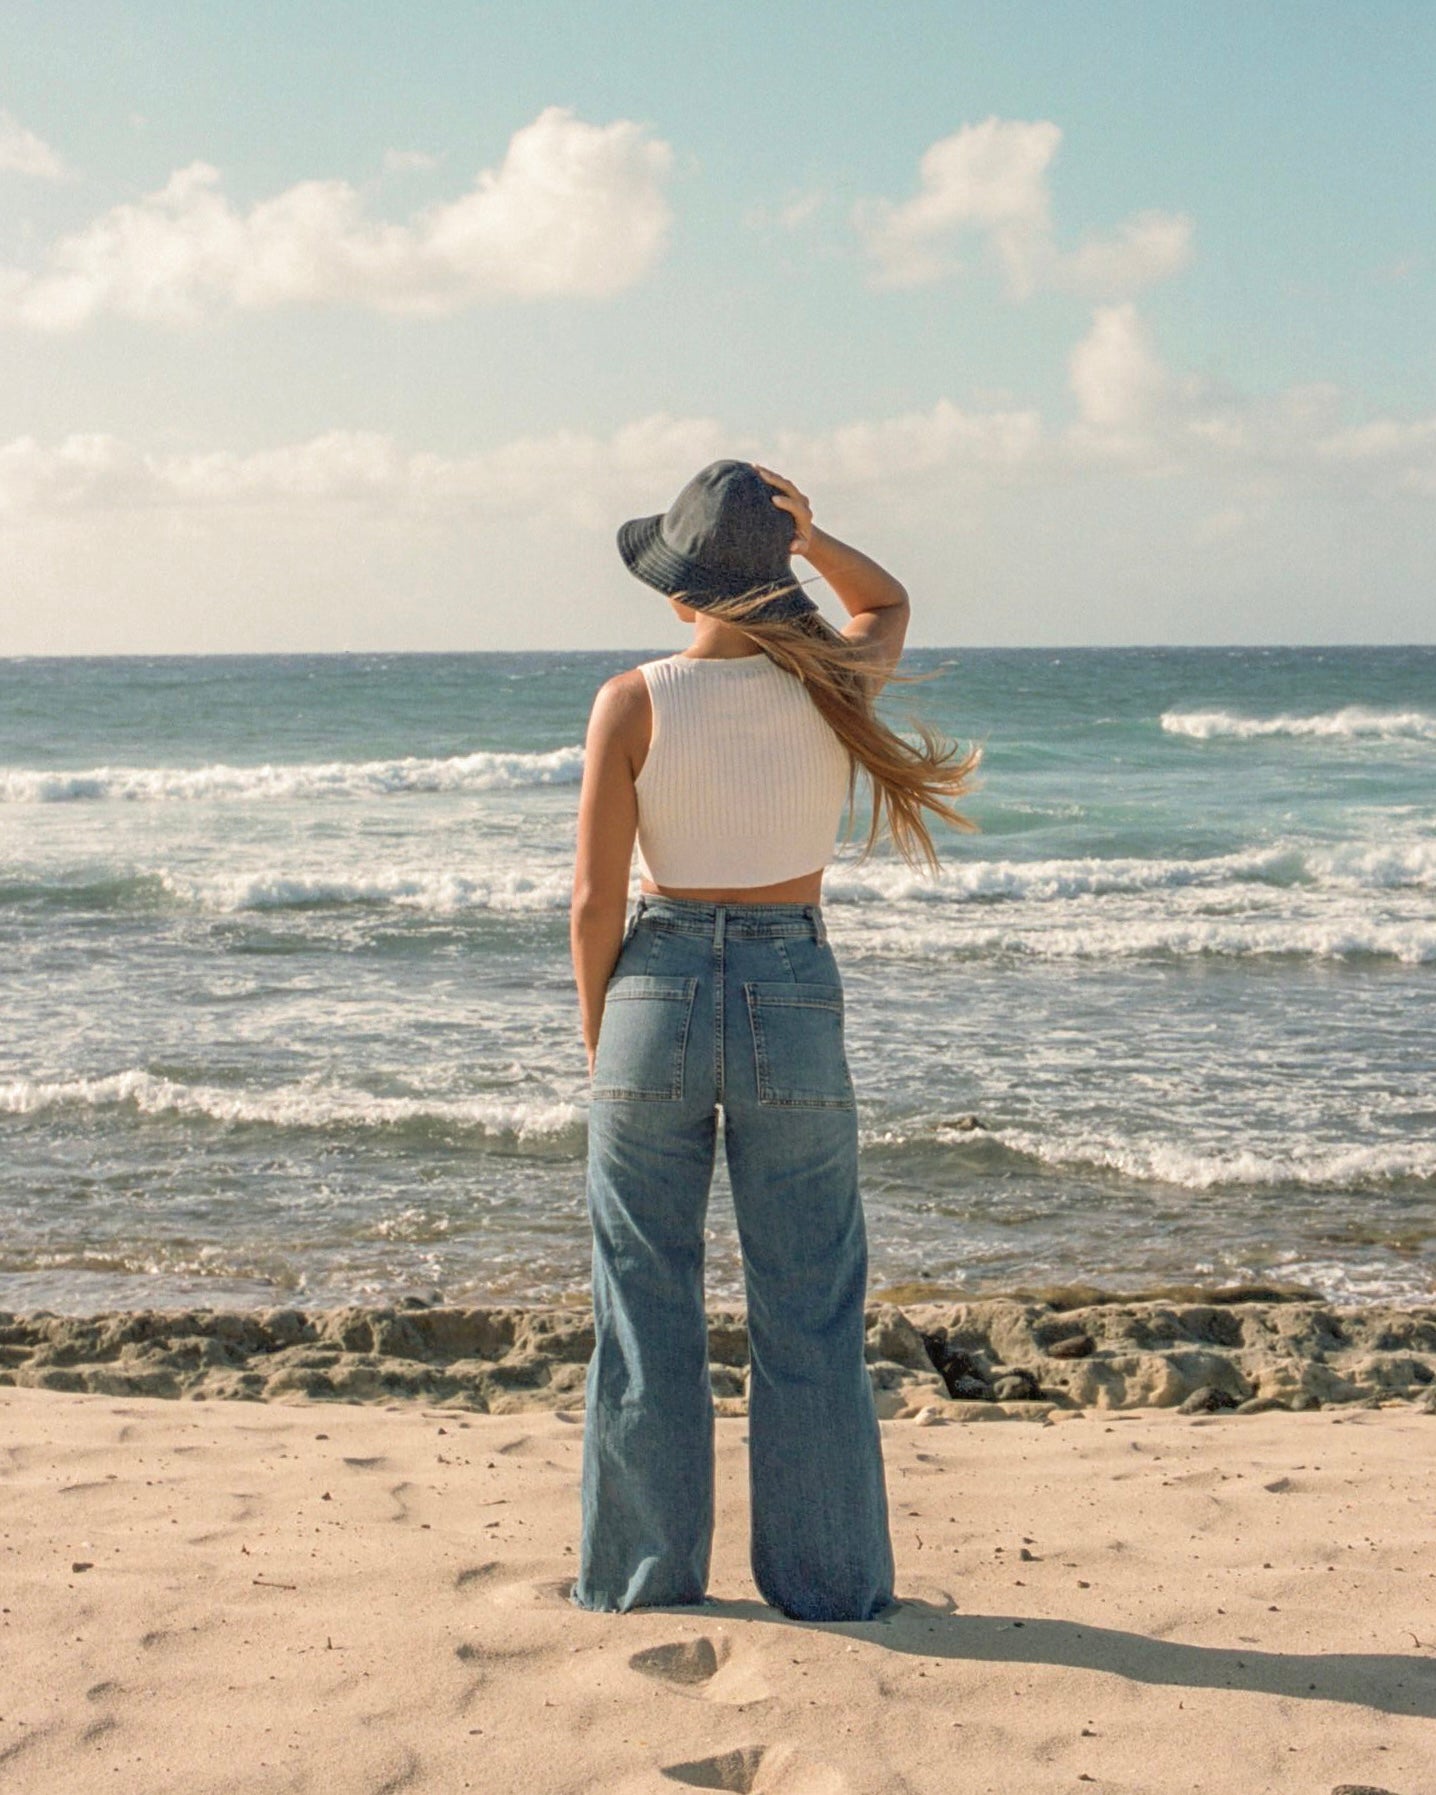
[719,978]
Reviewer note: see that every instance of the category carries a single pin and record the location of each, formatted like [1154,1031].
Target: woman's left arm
[607,825]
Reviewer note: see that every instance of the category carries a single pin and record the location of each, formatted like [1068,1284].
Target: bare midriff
[807,888]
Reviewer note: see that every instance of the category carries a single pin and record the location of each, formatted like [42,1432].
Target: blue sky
[1146,354]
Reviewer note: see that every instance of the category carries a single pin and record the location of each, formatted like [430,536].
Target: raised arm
[618,728]
[876,603]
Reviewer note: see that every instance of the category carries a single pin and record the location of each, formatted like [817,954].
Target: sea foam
[1191,1167]
[479,772]
[1353,722]
[294,1106]
[434,891]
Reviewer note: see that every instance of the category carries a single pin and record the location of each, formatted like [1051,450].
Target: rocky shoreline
[1029,1357]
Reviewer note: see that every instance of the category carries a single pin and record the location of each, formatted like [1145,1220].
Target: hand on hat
[789,499]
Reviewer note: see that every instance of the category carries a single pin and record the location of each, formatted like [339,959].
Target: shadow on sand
[1395,1683]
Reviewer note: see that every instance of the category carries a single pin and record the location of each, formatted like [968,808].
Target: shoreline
[1237,1349]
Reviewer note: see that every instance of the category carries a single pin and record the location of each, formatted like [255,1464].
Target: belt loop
[820,928]
[720,916]
[640,906]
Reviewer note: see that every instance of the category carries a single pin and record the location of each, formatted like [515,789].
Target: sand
[345,1597]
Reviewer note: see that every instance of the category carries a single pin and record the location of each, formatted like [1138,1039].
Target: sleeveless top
[744,782]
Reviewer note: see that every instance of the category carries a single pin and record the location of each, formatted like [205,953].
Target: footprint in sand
[476,1573]
[704,1667]
[511,1583]
[686,1661]
[759,1770]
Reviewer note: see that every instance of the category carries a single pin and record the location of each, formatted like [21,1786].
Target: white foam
[1192,1168]
[976,881]
[1348,865]
[1374,867]
[292,1106]
[1096,936]
[478,772]
[1353,722]
[435,891]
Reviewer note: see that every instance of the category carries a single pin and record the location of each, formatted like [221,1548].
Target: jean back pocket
[798,1050]
[643,1038]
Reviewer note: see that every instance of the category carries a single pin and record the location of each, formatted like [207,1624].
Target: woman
[731,764]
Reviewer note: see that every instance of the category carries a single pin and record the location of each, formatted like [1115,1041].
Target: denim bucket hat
[722,537]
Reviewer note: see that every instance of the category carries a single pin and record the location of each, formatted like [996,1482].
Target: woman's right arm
[607,826]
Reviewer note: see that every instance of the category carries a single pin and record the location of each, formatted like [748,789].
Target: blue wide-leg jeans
[739,1005]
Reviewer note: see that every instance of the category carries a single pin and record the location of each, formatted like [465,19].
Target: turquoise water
[288,1013]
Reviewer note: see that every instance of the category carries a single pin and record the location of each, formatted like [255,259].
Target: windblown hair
[906,778]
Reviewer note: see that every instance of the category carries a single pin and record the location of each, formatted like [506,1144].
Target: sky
[349,325]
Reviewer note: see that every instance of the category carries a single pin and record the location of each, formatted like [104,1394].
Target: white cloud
[1134,417]
[1117,380]
[989,182]
[1165,509]
[573,209]
[23,153]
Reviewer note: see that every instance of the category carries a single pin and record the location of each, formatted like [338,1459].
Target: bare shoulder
[622,713]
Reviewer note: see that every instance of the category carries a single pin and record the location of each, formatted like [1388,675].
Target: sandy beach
[304,1594]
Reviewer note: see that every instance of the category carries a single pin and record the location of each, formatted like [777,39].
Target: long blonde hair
[906,779]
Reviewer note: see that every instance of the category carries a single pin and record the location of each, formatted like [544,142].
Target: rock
[1359,1789]
[988,1411]
[1207,1400]
[957,1362]
[963,1372]
[727,1339]
[892,1336]
[1262,1347]
[1028,1411]
[890,1404]
[724,1380]
[1016,1386]
[286,1327]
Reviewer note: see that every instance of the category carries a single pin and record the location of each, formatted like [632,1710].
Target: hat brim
[649,558]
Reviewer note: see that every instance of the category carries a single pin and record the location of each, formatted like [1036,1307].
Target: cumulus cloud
[1117,379]
[1132,412]
[573,209]
[23,153]
[988,183]
[583,477]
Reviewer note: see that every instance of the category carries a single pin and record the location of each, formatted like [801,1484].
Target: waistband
[694,916]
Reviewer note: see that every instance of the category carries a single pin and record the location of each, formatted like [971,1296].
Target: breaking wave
[1313,1167]
[500,1119]
[480,772]
[434,892]
[1353,723]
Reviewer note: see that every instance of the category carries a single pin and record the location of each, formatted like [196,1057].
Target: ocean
[288,1014]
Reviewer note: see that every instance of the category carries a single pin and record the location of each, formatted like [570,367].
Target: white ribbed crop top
[744,782]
